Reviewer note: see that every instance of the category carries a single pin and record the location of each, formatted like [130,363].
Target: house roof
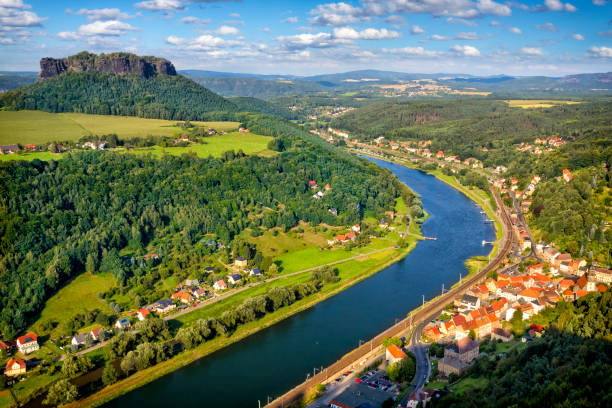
[501,332]
[28,338]
[463,346]
[531,293]
[13,361]
[235,276]
[144,312]
[395,351]
[220,282]
[163,303]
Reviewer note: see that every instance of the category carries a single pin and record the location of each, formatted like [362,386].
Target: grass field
[79,295]
[40,127]
[536,103]
[215,145]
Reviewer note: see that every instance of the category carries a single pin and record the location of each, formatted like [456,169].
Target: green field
[79,295]
[215,145]
[38,127]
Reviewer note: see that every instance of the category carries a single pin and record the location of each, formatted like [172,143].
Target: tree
[402,370]
[74,365]
[387,341]
[109,374]
[518,324]
[472,335]
[61,392]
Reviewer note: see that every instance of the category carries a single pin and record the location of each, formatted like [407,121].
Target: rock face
[118,63]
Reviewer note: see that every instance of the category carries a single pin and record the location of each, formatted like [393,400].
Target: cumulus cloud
[102,14]
[14,13]
[547,27]
[438,37]
[468,36]
[336,14]
[601,52]
[531,51]
[600,2]
[98,29]
[578,37]
[227,30]
[495,23]
[195,20]
[557,5]
[67,35]
[607,33]
[416,30]
[205,42]
[160,5]
[307,40]
[465,50]
[348,33]
[515,30]
[290,20]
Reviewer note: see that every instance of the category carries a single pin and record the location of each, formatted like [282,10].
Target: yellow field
[536,103]
[40,127]
[477,93]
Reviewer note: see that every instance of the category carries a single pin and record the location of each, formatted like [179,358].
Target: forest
[59,218]
[570,366]
[159,97]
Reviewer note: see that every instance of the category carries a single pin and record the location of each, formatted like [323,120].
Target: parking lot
[377,379]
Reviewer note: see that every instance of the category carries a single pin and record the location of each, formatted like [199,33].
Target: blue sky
[483,37]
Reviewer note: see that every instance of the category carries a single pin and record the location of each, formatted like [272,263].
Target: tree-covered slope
[160,97]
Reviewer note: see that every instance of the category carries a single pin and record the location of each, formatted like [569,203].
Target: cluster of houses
[541,145]
[321,193]
[348,237]
[25,345]
[482,309]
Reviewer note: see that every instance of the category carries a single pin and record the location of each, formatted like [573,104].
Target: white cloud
[607,33]
[234,15]
[195,20]
[600,2]
[455,8]
[578,37]
[531,51]
[67,35]
[557,5]
[454,20]
[515,30]
[336,14]
[227,30]
[416,30]
[411,51]
[13,13]
[290,20]
[307,40]
[160,5]
[104,28]
[103,14]
[547,27]
[465,50]
[602,52]
[206,42]
[468,36]
[495,23]
[348,33]
[438,37]
[493,8]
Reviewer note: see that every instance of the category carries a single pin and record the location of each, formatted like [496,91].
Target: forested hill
[160,97]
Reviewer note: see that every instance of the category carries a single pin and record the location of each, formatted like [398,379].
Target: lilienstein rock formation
[118,63]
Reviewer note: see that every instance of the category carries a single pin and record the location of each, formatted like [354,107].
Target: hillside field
[536,103]
[40,127]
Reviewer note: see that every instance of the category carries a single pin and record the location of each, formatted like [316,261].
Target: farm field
[77,296]
[536,103]
[40,127]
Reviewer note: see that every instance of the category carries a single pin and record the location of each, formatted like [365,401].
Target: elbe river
[274,360]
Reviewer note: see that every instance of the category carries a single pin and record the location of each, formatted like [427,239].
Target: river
[276,359]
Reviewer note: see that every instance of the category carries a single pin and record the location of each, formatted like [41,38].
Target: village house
[234,278]
[123,323]
[220,285]
[440,154]
[200,293]
[567,175]
[80,339]
[192,282]
[468,303]
[501,334]
[143,313]
[255,272]
[95,333]
[356,228]
[240,262]
[601,275]
[458,355]
[183,297]
[394,354]
[28,343]
[163,306]
[15,367]
[312,184]
[9,149]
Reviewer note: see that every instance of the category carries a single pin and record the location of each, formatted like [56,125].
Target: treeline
[160,97]
[571,365]
[60,218]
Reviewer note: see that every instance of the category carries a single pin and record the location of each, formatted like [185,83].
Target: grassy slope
[40,127]
[79,295]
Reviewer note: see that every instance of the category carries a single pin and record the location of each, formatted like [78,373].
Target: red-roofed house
[440,154]
[220,285]
[433,333]
[568,295]
[28,343]
[182,296]
[459,320]
[143,313]
[356,228]
[394,354]
[95,333]
[529,295]
[350,236]
[15,367]
[567,175]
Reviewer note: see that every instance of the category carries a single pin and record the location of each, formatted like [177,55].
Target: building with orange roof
[568,295]
[529,294]
[433,333]
[183,297]
[28,343]
[567,175]
[565,284]
[143,313]
[15,367]
[394,354]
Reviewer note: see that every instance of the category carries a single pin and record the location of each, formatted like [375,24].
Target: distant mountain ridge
[117,63]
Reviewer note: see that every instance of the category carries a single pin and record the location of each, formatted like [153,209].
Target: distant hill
[12,80]
[250,104]
[117,84]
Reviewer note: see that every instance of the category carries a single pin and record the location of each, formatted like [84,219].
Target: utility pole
[423,300]
[258,403]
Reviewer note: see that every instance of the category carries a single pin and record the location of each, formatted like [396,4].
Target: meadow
[536,103]
[38,127]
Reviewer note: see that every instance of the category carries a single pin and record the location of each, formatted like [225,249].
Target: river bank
[183,359]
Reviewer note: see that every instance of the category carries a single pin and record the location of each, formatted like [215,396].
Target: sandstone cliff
[117,63]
